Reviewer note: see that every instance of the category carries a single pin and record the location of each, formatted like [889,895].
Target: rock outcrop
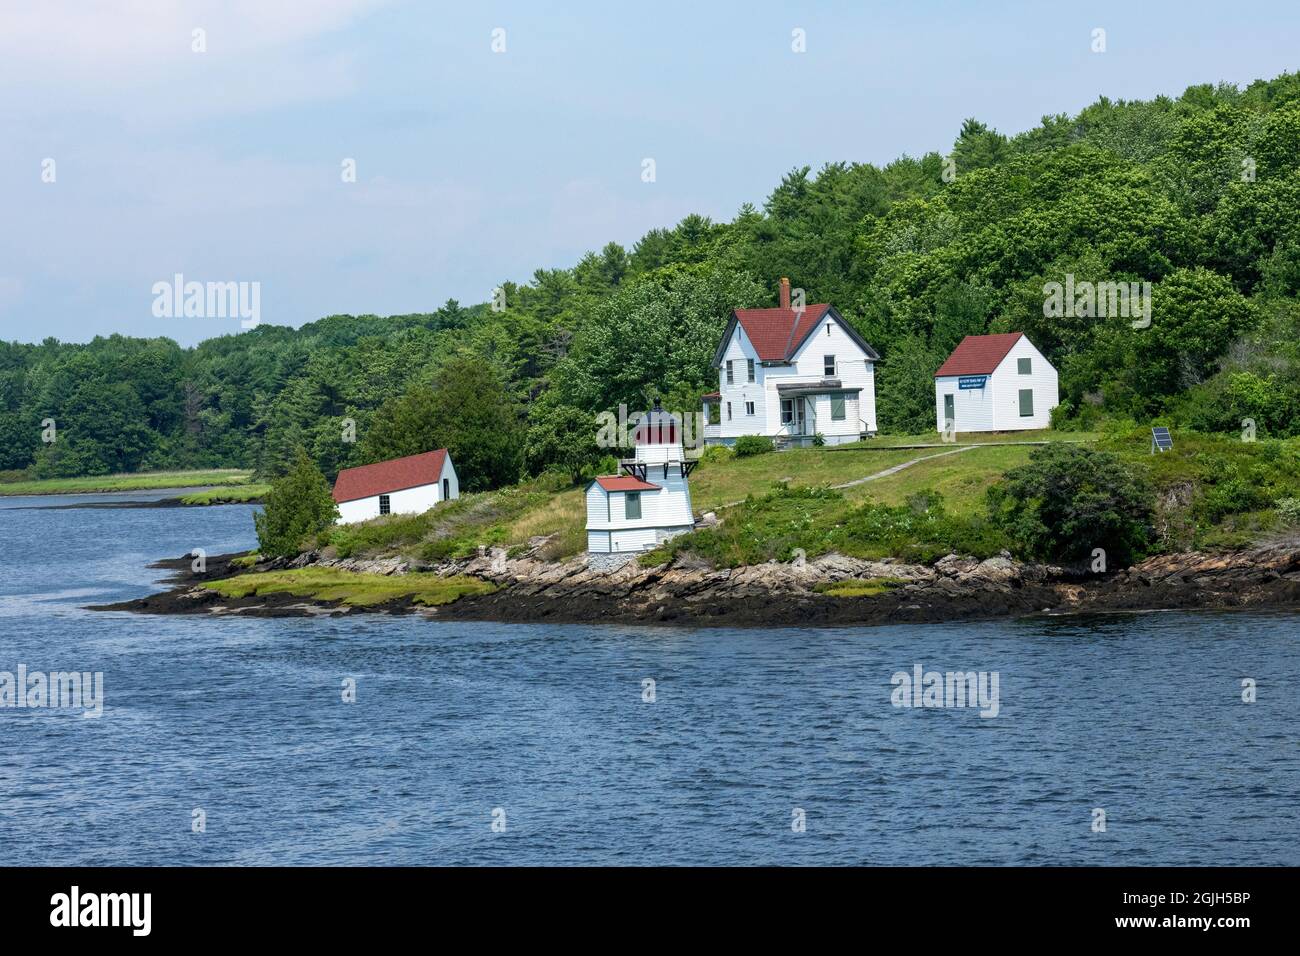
[688,591]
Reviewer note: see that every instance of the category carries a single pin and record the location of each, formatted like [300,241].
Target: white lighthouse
[650,501]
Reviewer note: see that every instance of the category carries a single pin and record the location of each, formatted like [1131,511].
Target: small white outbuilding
[995,383]
[651,501]
[409,485]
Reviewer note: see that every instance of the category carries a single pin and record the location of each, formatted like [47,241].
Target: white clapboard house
[791,374]
[650,501]
[409,485]
[995,383]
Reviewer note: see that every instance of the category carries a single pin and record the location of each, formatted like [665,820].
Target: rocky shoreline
[773,594]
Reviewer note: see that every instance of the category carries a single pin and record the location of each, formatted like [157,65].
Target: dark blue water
[1140,715]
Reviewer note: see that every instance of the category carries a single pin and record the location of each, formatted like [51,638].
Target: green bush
[921,531]
[747,445]
[1068,500]
[298,505]
[1289,510]
[716,454]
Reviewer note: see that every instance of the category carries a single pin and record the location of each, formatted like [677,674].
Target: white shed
[409,485]
[995,383]
[651,501]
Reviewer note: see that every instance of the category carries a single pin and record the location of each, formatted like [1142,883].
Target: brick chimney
[785,292]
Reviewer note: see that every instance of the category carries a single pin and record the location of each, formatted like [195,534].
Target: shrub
[1068,500]
[715,454]
[747,445]
[1289,510]
[298,505]
[920,531]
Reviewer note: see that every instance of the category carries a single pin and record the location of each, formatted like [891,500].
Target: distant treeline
[1199,196]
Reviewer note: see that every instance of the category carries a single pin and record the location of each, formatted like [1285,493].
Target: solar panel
[1161,440]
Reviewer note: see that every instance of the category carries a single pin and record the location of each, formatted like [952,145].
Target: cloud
[108,54]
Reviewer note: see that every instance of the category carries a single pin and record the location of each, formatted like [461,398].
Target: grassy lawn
[351,588]
[962,478]
[141,481]
[714,484]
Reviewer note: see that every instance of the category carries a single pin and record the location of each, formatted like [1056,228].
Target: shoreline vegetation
[215,486]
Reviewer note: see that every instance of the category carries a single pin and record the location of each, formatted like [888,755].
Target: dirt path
[907,464]
[880,474]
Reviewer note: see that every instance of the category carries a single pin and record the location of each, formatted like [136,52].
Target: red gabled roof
[776,334]
[979,354]
[385,477]
[624,483]
[707,395]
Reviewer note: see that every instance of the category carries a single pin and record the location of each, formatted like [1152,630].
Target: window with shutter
[1026,402]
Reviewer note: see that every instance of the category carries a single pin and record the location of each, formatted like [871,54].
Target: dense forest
[1199,195]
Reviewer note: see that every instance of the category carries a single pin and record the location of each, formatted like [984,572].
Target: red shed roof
[979,354]
[777,333]
[624,483]
[385,477]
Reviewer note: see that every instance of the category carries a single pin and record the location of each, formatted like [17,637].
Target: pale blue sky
[474,167]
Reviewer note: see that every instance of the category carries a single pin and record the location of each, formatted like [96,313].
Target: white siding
[664,512]
[996,407]
[972,407]
[453,480]
[739,351]
[853,369]
[408,501]
[1007,383]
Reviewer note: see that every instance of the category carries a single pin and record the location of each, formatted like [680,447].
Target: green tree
[468,410]
[905,388]
[563,437]
[1069,500]
[299,505]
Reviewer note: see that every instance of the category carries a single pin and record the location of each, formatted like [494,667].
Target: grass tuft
[353,588]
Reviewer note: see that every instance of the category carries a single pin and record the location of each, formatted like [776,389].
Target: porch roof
[800,389]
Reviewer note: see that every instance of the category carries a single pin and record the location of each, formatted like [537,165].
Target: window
[837,408]
[731,375]
[446,488]
[715,413]
[728,411]
[383,504]
[828,328]
[751,369]
[749,408]
[1026,402]
[787,411]
[632,505]
[1024,366]
[828,366]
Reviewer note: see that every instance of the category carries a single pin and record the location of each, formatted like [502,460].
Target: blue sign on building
[971,381]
